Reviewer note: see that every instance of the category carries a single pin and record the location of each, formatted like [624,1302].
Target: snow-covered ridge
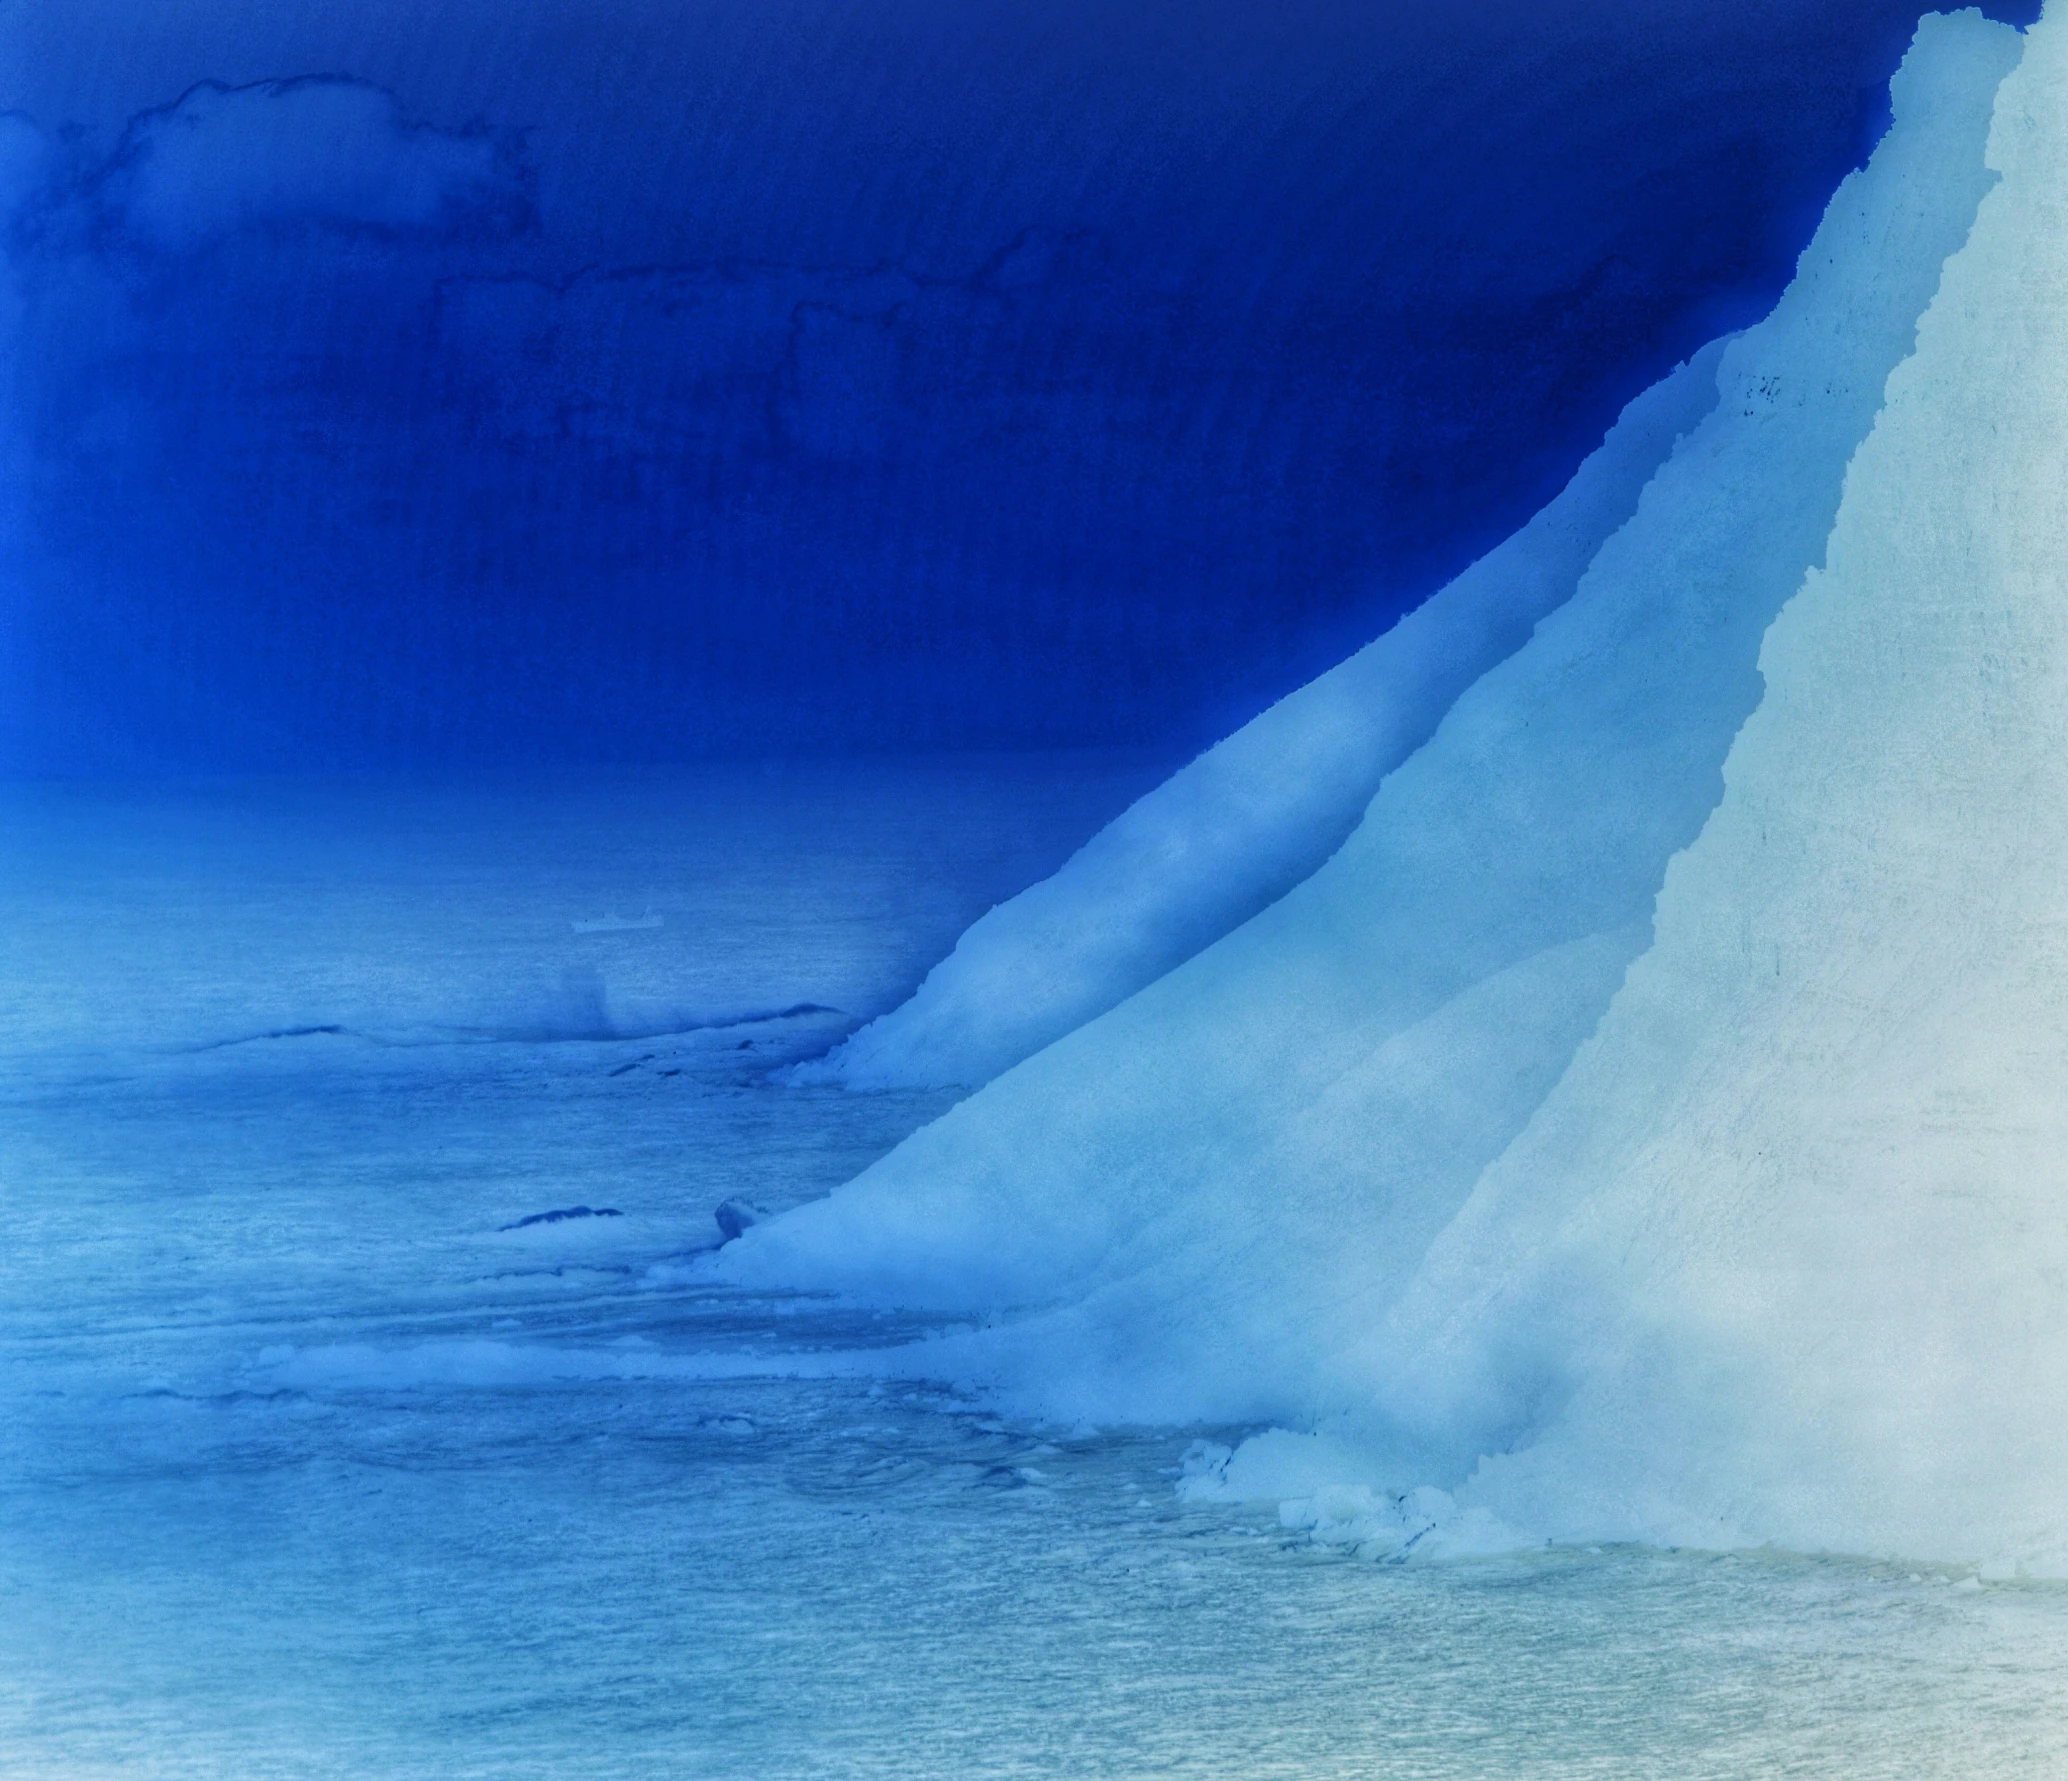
[1232,832]
[1762,1243]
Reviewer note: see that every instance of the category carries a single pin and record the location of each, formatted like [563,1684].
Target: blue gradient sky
[534,380]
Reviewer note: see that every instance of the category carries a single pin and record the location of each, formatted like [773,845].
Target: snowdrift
[1647,1123]
[1232,832]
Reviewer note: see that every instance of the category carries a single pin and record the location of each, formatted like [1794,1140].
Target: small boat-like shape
[614,923]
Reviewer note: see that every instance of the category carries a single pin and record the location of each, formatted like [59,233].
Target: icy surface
[1201,1204]
[317,1461]
[1756,1240]
[1790,1235]
[1236,829]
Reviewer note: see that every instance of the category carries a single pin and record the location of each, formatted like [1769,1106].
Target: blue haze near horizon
[399,386]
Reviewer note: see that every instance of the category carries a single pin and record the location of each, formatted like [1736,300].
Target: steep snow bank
[1203,1203]
[1236,829]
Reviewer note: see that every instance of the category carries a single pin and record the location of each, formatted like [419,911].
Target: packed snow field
[1646,1123]
[1401,1250]
[321,1460]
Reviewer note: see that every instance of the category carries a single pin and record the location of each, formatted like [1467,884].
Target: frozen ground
[309,1466]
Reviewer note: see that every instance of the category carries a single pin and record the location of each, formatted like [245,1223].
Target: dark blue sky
[391,382]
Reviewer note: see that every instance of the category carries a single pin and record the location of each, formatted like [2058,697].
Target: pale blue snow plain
[1532,1149]
[312,1468]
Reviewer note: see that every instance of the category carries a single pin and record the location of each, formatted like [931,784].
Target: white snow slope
[1236,829]
[1760,1238]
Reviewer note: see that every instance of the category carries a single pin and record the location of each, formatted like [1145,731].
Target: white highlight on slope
[1235,830]
[1793,1231]
[1206,1203]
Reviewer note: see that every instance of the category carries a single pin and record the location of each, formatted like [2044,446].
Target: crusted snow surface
[1783,1258]
[1240,826]
[1214,1201]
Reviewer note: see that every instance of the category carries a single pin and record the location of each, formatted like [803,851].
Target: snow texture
[1240,826]
[1766,1256]
[1260,811]
[1793,1218]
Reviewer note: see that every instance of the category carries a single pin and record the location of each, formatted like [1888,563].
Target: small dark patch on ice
[594,1027]
[216,1399]
[633,1065]
[565,1212]
[735,1216]
[566,1271]
[270,1033]
[1399,1555]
